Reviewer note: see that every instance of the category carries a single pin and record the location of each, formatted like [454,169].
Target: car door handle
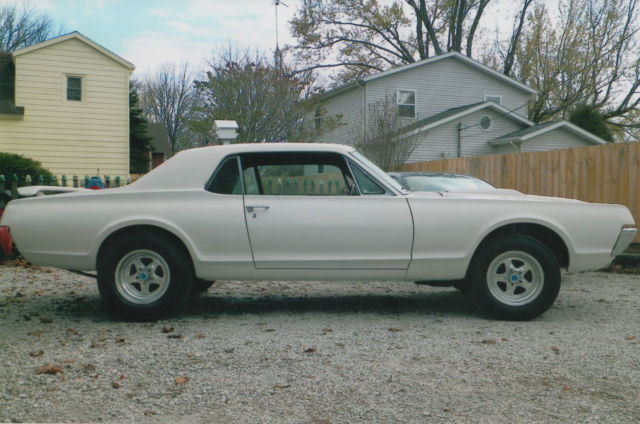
[253,208]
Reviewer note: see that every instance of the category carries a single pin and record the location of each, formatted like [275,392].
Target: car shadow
[449,302]
[210,305]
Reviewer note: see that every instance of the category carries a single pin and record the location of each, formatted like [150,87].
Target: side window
[296,174]
[365,182]
[227,178]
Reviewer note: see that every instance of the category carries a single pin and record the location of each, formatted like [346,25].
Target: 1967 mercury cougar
[310,212]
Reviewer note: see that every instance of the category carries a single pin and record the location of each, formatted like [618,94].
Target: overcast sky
[151,32]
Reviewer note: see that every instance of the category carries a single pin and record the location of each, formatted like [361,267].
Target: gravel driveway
[318,353]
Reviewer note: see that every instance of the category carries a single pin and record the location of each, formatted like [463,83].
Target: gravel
[276,352]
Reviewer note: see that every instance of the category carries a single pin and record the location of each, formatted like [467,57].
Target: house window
[492,98]
[485,123]
[74,88]
[406,103]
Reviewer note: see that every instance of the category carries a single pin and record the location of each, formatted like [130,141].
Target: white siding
[441,142]
[346,108]
[560,138]
[69,137]
[447,84]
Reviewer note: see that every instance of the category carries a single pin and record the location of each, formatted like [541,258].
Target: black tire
[515,277]
[144,276]
[200,286]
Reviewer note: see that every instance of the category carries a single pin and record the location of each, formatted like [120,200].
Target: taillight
[5,240]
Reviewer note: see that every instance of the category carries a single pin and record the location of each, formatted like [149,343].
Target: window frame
[480,122]
[68,77]
[415,103]
[487,96]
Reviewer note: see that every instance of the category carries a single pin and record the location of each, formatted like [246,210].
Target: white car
[310,212]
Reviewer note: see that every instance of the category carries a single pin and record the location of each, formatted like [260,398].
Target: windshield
[373,168]
[445,183]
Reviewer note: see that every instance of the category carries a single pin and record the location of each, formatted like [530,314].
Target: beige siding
[68,137]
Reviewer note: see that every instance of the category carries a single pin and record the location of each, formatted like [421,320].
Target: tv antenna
[278,53]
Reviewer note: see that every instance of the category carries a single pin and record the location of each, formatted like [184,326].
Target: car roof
[192,168]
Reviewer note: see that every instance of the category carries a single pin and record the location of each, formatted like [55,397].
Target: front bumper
[626,236]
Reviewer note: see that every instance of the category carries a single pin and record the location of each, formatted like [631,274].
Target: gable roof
[426,62]
[536,130]
[459,112]
[78,36]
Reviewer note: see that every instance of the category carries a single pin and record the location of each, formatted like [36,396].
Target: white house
[451,106]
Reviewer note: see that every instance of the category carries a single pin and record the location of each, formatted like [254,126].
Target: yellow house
[71,108]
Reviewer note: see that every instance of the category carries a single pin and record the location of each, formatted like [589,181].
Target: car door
[306,211]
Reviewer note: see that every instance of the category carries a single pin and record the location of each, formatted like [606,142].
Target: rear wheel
[144,276]
[515,277]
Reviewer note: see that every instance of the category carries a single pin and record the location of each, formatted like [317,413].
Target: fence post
[14,187]
[75,181]
[118,180]
[64,180]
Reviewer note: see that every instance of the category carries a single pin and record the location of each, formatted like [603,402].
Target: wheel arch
[548,237]
[143,229]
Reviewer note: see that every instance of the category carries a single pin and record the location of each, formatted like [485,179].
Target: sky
[149,33]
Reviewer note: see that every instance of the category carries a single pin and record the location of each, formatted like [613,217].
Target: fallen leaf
[199,336]
[166,329]
[181,380]
[35,333]
[69,361]
[120,340]
[556,350]
[70,331]
[630,338]
[115,385]
[175,336]
[281,386]
[504,339]
[326,330]
[26,317]
[270,330]
[36,354]
[566,388]
[121,377]
[46,320]
[311,350]
[489,341]
[149,412]
[310,376]
[48,369]
[394,330]
[88,368]
[445,409]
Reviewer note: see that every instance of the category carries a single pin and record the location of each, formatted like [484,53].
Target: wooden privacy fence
[607,173]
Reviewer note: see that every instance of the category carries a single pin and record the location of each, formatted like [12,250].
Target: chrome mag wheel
[515,278]
[142,277]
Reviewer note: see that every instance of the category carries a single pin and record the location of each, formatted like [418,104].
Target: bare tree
[22,28]
[267,102]
[168,96]
[385,140]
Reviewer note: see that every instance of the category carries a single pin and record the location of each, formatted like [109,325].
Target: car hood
[497,194]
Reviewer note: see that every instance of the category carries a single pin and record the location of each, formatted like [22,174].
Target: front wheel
[515,277]
[144,276]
